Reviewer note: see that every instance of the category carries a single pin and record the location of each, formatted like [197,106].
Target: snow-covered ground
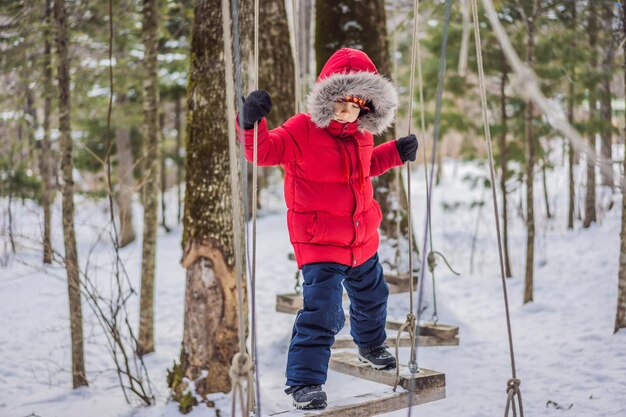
[565,349]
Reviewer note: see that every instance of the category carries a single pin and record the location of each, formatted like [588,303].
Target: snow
[565,349]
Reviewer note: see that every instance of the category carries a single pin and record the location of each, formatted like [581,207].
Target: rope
[238,363]
[296,62]
[410,325]
[513,383]
[410,318]
[255,170]
[440,80]
[512,389]
[241,369]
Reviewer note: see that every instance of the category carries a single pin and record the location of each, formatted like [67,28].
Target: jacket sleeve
[384,157]
[278,146]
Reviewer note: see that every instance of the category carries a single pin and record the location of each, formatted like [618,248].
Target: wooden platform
[370,404]
[426,386]
[348,363]
[346,342]
[291,303]
[399,283]
[288,303]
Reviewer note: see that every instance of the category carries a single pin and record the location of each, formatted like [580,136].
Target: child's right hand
[255,107]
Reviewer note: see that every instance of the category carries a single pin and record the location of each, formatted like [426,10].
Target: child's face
[346,112]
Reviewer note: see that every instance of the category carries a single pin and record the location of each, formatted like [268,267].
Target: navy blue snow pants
[322,316]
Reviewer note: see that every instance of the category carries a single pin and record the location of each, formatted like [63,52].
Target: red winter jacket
[332,215]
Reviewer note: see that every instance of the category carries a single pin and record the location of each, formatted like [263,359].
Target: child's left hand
[407,147]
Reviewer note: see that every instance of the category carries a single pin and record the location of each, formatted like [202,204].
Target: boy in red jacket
[329,156]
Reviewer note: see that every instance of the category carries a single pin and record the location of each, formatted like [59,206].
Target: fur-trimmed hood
[350,72]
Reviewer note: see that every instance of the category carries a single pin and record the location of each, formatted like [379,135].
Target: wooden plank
[399,279]
[348,363]
[346,342]
[288,303]
[370,404]
[292,303]
[442,331]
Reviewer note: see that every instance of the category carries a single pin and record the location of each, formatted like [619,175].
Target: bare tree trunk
[69,236]
[179,164]
[590,195]
[145,342]
[210,335]
[46,196]
[504,168]
[620,316]
[570,117]
[125,166]
[530,178]
[163,175]
[546,198]
[606,132]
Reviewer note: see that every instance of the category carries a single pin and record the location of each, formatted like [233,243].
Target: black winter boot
[307,397]
[377,357]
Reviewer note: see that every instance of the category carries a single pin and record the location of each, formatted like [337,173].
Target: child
[329,156]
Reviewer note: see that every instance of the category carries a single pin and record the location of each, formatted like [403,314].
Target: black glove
[255,107]
[407,147]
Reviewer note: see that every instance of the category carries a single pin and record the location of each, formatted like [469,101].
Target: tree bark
[620,316]
[145,342]
[504,168]
[69,236]
[362,25]
[570,117]
[605,99]
[590,195]
[210,335]
[125,166]
[544,177]
[179,162]
[46,195]
[530,166]
[163,172]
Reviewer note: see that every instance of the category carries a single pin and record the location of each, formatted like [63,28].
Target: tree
[210,335]
[125,176]
[606,126]
[530,10]
[69,236]
[590,194]
[45,143]
[145,342]
[620,316]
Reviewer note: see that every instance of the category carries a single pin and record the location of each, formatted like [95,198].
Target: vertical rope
[440,80]
[255,169]
[296,60]
[240,367]
[514,382]
[410,320]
